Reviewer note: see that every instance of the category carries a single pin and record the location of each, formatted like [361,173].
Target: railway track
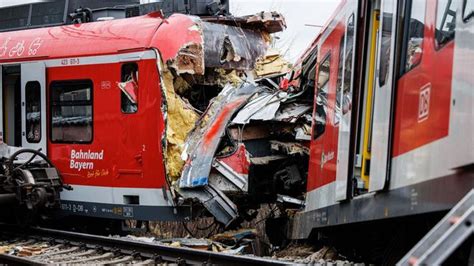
[39,246]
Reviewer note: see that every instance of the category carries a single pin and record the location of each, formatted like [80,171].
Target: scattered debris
[231,132]
[232,238]
[271,64]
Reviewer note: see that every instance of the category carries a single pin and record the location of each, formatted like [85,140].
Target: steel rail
[126,247]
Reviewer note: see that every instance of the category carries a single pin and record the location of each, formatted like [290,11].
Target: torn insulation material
[181,120]
[271,65]
[190,60]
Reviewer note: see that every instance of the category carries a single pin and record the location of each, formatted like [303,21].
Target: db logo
[424,103]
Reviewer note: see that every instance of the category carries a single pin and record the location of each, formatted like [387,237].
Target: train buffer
[455,228]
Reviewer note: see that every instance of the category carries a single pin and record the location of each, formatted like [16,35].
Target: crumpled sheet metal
[203,141]
[270,22]
[292,112]
[230,47]
[263,107]
[214,200]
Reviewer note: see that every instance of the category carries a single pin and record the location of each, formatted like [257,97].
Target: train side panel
[431,158]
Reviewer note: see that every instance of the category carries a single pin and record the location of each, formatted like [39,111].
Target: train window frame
[28,87]
[339,83]
[327,58]
[125,100]
[470,15]
[408,16]
[56,84]
[385,60]
[348,68]
[438,46]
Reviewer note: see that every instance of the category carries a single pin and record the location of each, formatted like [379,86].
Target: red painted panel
[101,38]
[323,151]
[131,143]
[424,94]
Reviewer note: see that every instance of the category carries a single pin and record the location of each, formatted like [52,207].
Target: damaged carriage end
[208,57]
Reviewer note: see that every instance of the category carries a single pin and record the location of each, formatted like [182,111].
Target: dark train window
[386,42]
[33,111]
[129,88]
[344,78]
[413,48]
[322,98]
[468,12]
[337,111]
[348,58]
[71,111]
[445,22]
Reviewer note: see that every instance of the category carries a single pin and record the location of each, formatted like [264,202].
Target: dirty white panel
[34,72]
[343,156]
[383,98]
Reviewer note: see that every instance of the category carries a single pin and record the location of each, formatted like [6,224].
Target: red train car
[66,80]
[393,115]
[91,96]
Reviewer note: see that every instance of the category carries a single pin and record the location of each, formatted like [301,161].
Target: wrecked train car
[136,114]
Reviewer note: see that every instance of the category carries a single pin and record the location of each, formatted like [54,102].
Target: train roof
[314,43]
[100,38]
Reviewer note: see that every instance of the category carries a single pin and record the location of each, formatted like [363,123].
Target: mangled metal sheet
[203,141]
[216,202]
[230,47]
[292,112]
[268,22]
[263,107]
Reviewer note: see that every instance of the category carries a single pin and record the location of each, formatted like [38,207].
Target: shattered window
[71,111]
[308,72]
[445,22]
[33,111]
[129,88]
[321,98]
[415,34]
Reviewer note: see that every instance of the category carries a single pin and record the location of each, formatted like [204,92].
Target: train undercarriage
[30,185]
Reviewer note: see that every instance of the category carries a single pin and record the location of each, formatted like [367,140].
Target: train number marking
[70,62]
[424,103]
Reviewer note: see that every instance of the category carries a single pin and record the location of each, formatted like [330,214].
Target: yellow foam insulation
[228,77]
[181,86]
[273,63]
[181,120]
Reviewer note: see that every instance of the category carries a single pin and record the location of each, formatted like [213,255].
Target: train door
[344,108]
[33,106]
[383,97]
[11,105]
